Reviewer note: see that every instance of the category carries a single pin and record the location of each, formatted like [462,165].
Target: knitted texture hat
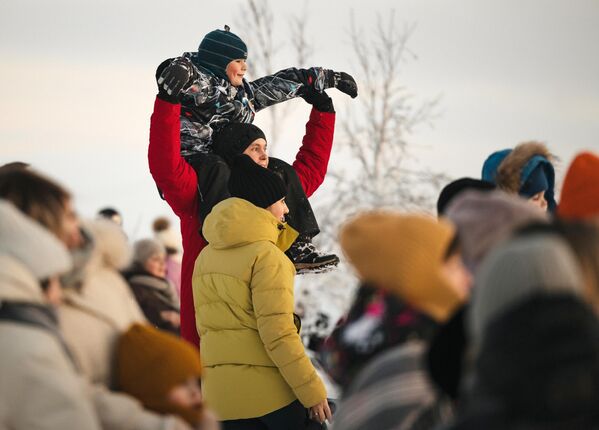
[144,249]
[453,189]
[580,191]
[151,362]
[31,244]
[218,49]
[403,254]
[516,270]
[485,219]
[254,183]
[234,138]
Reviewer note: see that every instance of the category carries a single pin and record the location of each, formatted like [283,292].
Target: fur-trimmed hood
[509,169]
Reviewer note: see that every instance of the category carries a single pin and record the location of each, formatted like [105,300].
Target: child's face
[539,200]
[257,151]
[279,209]
[235,71]
[186,395]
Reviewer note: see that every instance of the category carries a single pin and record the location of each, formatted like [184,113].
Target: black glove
[320,100]
[343,82]
[172,77]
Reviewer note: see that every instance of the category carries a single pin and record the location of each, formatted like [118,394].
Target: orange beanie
[580,192]
[403,254]
[150,362]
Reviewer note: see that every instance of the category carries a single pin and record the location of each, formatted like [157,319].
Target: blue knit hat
[218,49]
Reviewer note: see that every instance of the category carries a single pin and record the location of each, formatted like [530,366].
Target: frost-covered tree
[373,166]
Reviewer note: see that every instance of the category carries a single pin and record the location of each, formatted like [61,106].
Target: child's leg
[303,253]
[213,181]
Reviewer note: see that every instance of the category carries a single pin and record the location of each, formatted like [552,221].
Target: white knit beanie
[31,244]
[145,248]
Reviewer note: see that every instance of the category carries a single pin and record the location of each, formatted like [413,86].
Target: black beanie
[234,138]
[254,183]
[219,48]
[451,190]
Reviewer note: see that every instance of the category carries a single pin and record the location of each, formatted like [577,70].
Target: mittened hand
[320,100]
[173,79]
[345,83]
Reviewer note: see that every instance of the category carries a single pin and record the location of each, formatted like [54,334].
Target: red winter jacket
[179,184]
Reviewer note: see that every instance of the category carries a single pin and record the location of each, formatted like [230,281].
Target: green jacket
[254,361]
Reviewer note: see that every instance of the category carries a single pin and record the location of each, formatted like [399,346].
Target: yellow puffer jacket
[254,361]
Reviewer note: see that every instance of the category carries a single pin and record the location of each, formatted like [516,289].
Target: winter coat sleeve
[272,298]
[173,175]
[312,159]
[285,85]
[120,412]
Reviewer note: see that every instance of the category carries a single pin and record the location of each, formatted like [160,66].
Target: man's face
[257,152]
[71,234]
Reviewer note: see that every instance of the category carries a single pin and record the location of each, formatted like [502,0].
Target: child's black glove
[173,77]
[343,82]
[320,100]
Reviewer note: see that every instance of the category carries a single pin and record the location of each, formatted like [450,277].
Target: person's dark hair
[36,196]
[14,165]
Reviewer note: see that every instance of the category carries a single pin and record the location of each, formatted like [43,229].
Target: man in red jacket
[178,183]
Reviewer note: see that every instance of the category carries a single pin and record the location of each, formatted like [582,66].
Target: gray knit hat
[515,271]
[145,248]
[31,244]
[485,219]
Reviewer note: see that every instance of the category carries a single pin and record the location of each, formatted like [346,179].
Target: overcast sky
[78,81]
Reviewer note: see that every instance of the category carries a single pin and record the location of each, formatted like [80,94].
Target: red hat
[580,192]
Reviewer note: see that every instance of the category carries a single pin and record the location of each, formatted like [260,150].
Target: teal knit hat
[218,49]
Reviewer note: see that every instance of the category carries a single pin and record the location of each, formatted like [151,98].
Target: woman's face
[71,233]
[156,265]
[539,200]
[279,209]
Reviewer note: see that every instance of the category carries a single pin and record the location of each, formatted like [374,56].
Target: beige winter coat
[39,387]
[94,315]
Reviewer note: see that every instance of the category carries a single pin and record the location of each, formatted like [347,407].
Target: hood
[236,222]
[513,167]
[110,246]
[17,283]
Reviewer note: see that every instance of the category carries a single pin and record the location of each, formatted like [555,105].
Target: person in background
[527,171]
[163,372]
[112,215]
[171,240]
[416,259]
[40,386]
[154,293]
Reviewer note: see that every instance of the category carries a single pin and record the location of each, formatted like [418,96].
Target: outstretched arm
[173,175]
[312,159]
[289,83]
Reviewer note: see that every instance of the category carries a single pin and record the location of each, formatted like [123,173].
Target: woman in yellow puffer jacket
[256,371]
